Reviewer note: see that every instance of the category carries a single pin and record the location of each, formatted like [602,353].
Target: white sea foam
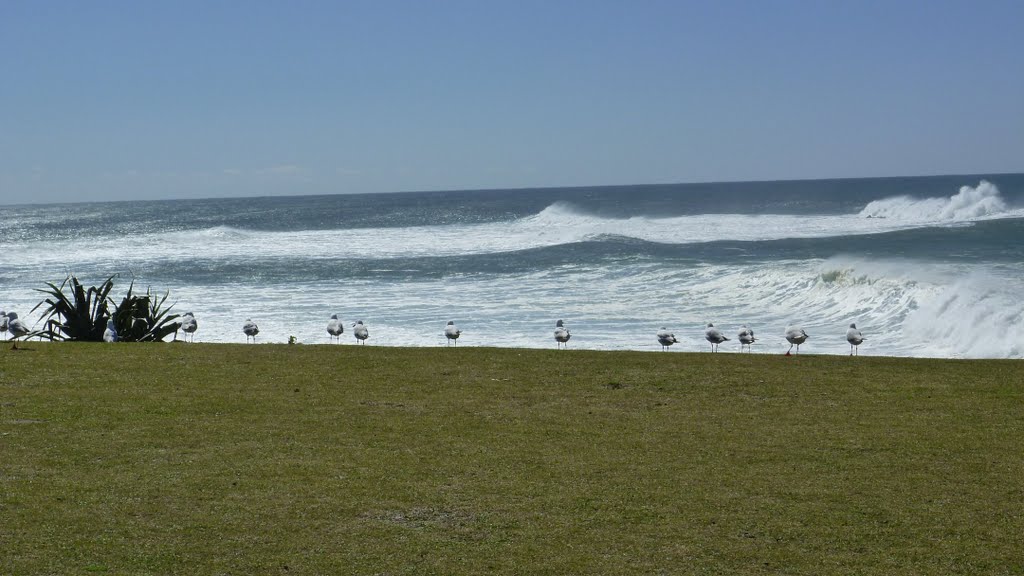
[904,308]
[982,201]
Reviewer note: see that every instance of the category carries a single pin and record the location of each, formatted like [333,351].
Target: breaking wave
[981,201]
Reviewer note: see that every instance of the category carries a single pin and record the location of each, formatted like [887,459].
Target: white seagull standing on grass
[715,336]
[110,334]
[561,334]
[855,338]
[251,330]
[335,328]
[452,333]
[361,332]
[796,336]
[189,325]
[16,327]
[3,323]
[666,338]
[746,337]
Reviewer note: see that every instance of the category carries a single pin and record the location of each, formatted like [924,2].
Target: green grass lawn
[277,459]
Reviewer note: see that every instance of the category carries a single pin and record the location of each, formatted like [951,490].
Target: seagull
[855,338]
[561,334]
[746,337]
[361,332]
[3,323]
[666,338]
[16,327]
[715,336]
[251,329]
[452,333]
[189,324]
[335,328]
[110,334]
[796,336]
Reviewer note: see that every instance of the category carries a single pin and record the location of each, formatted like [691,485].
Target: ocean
[925,266]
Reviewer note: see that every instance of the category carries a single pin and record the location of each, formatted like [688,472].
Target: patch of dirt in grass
[423,517]
[375,403]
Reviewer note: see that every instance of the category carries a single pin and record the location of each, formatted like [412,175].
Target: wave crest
[225,232]
[981,201]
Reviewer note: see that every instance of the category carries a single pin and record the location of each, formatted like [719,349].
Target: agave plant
[77,313]
[74,312]
[144,318]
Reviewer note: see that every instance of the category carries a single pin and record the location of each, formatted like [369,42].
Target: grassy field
[277,459]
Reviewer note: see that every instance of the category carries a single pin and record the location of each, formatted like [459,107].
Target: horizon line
[521,188]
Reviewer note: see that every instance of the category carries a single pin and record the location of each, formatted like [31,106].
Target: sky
[109,100]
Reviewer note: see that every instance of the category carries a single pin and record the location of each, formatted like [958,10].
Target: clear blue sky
[120,100]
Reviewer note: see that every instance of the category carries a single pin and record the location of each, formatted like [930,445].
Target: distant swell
[982,201]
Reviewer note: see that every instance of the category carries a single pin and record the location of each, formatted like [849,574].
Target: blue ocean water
[926,266]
